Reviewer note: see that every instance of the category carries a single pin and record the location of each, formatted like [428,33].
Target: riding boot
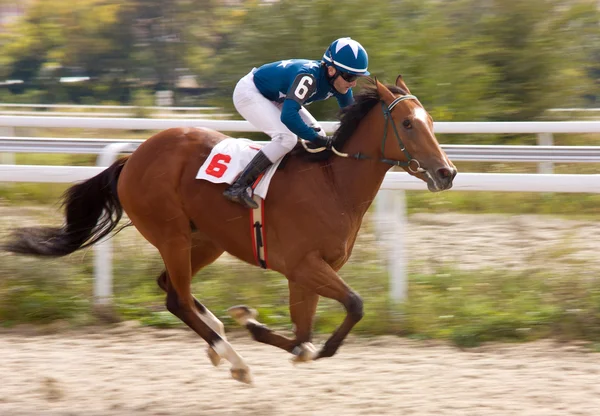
[241,190]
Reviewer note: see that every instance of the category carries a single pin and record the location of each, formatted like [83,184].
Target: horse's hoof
[304,352]
[242,375]
[215,358]
[242,314]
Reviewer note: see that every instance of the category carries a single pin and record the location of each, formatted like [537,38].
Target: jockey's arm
[302,88]
[292,120]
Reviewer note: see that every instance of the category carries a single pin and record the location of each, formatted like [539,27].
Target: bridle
[410,163]
[387,115]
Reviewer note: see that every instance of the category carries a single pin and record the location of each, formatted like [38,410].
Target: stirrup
[246,198]
[241,195]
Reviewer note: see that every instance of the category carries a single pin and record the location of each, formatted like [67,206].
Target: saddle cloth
[227,160]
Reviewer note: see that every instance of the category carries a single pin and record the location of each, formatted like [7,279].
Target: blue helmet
[347,55]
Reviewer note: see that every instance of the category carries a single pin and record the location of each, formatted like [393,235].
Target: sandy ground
[504,241]
[139,371]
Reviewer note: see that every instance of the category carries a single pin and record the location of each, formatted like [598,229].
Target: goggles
[348,77]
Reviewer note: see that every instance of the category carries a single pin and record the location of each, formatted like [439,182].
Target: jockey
[273,97]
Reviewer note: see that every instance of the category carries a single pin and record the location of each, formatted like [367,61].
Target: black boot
[240,191]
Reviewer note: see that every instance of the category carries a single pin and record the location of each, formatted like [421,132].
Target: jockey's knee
[354,307]
[286,140]
[280,145]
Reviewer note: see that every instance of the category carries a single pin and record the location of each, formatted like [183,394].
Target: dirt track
[134,371]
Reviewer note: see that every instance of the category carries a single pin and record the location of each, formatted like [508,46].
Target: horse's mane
[350,117]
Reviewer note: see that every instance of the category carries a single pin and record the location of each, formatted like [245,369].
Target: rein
[387,115]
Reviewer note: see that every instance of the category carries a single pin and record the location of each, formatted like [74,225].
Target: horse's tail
[92,211]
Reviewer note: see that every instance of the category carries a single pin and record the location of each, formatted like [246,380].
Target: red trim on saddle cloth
[258,234]
[255,184]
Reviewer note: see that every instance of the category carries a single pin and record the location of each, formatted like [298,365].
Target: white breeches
[266,116]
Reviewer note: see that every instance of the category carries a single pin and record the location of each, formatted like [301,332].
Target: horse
[313,214]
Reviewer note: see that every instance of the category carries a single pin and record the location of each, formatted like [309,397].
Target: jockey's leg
[241,190]
[266,116]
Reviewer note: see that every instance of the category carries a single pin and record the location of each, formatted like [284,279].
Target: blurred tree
[112,40]
[532,47]
[465,59]
[411,37]
[584,17]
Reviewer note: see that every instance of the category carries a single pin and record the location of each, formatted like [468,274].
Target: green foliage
[28,193]
[467,60]
[142,99]
[43,291]
[471,308]
[571,205]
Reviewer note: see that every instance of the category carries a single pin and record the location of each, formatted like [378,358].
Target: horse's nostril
[445,173]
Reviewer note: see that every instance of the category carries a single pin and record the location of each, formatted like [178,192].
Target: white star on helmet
[347,42]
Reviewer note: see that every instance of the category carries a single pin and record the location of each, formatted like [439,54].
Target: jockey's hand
[326,142]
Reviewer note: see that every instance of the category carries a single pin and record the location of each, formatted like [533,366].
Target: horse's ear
[400,84]
[384,93]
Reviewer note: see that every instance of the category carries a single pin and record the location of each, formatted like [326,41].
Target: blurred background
[469,60]
[482,265]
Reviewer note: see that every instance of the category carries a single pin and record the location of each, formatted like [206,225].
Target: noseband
[411,163]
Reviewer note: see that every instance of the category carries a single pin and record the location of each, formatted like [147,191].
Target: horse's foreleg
[176,253]
[316,275]
[303,305]
[247,317]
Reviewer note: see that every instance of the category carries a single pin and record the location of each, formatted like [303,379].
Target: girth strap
[257,228]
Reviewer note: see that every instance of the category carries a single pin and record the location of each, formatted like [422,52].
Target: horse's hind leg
[203,253]
[176,253]
[303,305]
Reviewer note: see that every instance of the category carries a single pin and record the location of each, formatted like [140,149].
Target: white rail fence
[458,152]
[466,127]
[69,110]
[390,205]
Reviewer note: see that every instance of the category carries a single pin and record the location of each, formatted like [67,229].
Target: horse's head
[409,140]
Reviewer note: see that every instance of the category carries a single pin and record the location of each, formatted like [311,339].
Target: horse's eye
[406,123]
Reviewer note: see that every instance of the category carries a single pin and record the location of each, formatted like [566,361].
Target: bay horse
[313,214]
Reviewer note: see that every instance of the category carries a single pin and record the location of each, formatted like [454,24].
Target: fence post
[103,249]
[545,139]
[390,226]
